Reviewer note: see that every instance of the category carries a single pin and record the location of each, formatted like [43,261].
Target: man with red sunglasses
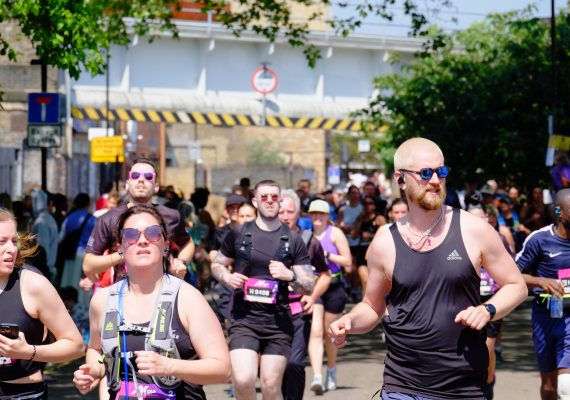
[267,257]
[425,270]
[141,186]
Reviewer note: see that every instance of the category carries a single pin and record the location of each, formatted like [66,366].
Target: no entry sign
[264,80]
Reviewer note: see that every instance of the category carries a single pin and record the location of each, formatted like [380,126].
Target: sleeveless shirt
[12,311]
[135,342]
[428,353]
[328,246]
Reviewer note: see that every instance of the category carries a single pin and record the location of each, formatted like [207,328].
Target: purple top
[328,246]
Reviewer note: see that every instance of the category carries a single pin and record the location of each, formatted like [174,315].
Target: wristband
[294,277]
[33,354]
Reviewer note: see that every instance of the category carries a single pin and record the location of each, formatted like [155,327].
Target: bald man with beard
[425,270]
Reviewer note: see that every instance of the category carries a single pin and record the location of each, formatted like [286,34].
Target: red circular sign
[264,80]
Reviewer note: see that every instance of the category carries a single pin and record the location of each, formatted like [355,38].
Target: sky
[465,12]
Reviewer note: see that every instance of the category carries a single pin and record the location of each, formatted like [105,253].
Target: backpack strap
[283,250]
[110,342]
[306,235]
[160,338]
[244,247]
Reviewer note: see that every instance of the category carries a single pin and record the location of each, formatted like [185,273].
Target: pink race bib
[564,276]
[260,291]
[146,390]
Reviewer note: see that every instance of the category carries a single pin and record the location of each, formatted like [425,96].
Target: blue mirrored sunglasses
[427,173]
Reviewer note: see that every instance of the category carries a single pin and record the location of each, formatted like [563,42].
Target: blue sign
[43,108]
[333,174]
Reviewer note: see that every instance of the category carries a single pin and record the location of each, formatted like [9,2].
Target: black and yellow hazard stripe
[210,118]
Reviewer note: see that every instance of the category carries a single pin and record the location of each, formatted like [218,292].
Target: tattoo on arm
[304,281]
[220,267]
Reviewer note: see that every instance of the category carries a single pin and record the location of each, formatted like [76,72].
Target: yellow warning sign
[107,149]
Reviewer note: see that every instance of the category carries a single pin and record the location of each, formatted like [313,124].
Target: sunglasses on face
[151,233]
[266,197]
[427,173]
[149,176]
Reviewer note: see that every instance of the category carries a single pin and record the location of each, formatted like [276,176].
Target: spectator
[44,227]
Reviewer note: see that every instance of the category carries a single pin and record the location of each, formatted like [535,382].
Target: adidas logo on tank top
[454,256]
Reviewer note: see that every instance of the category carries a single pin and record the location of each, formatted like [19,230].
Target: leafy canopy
[73,34]
[483,97]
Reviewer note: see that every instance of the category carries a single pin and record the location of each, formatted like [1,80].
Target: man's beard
[427,203]
[268,215]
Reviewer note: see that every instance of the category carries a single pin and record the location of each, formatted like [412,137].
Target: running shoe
[317,385]
[330,384]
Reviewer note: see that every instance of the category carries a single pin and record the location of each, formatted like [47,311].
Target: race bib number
[487,287]
[564,277]
[5,361]
[260,291]
[145,391]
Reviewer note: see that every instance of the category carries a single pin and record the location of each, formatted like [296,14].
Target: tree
[73,34]
[483,97]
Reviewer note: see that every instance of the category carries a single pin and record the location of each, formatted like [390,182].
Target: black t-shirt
[103,236]
[264,249]
[219,236]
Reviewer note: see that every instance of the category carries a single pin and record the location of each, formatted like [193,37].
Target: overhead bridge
[211,118]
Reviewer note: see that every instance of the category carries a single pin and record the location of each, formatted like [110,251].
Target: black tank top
[186,391]
[428,353]
[12,311]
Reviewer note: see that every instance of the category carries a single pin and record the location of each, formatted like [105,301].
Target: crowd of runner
[163,278]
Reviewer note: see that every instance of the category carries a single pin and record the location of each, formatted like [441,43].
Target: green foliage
[263,152]
[73,34]
[483,96]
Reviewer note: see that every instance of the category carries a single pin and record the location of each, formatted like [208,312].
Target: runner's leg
[244,373]
[271,376]
[548,385]
[316,339]
[330,348]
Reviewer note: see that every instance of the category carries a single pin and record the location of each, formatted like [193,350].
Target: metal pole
[263,105]
[553,65]
[44,149]
[107,82]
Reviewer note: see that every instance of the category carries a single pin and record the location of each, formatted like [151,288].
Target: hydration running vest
[158,333]
[244,247]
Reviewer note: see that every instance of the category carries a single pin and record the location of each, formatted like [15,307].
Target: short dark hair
[140,209]
[266,182]
[245,182]
[143,160]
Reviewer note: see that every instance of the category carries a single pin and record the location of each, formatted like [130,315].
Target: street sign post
[264,80]
[43,108]
[44,136]
[107,149]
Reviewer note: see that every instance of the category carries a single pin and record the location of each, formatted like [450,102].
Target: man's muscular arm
[220,271]
[490,253]
[303,282]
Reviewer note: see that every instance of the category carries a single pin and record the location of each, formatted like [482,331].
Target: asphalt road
[360,368]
